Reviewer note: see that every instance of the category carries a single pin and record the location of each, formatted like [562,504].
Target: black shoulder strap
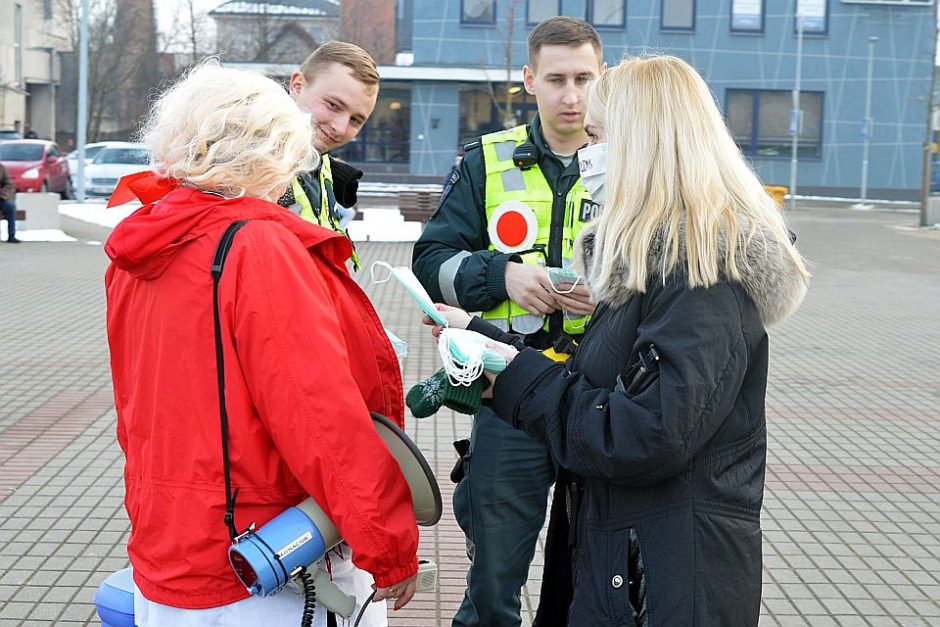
[218,262]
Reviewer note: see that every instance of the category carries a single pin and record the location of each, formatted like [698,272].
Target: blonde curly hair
[231,132]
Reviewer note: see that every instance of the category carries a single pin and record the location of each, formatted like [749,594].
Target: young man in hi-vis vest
[505,227]
[338,84]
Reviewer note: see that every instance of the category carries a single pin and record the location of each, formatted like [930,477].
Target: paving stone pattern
[852,509]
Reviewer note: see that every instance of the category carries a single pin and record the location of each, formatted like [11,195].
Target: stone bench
[37,211]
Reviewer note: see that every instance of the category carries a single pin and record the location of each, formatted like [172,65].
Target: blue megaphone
[266,559]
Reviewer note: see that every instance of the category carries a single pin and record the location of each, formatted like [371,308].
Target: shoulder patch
[449,185]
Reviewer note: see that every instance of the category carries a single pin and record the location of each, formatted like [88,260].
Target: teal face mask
[563,276]
[465,355]
[413,286]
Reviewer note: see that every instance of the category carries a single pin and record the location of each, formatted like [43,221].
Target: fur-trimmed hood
[768,275]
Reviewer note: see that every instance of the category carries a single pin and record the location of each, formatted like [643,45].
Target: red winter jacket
[306,359]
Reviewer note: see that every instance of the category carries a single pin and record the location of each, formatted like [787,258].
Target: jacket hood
[145,243]
[768,274]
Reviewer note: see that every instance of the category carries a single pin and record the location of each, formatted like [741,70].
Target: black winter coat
[672,478]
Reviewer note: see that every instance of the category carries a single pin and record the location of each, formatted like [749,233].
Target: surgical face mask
[563,276]
[413,286]
[592,162]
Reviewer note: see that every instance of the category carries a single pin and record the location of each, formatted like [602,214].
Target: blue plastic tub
[114,599]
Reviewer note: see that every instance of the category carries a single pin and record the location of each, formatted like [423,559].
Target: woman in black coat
[658,419]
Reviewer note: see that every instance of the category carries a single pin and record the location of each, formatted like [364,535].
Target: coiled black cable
[310,597]
[365,606]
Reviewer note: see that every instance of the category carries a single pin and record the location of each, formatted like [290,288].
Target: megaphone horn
[266,559]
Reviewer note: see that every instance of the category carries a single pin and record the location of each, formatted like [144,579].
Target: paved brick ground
[852,513]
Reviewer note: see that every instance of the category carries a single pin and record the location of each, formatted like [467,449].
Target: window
[478,113]
[386,136]
[14,151]
[404,23]
[747,16]
[47,9]
[760,122]
[678,15]
[607,13]
[123,156]
[538,10]
[917,3]
[477,11]
[815,16]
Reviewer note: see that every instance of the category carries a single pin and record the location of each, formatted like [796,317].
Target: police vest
[327,201]
[519,217]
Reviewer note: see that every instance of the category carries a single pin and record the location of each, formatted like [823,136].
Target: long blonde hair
[233,132]
[675,178]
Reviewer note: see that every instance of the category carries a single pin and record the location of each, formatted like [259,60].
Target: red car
[36,165]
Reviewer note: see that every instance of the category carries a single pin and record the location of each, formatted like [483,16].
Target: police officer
[508,216]
[338,84]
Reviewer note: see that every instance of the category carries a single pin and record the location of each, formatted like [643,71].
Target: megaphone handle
[331,597]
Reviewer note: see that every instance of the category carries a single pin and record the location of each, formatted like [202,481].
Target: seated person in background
[7,206]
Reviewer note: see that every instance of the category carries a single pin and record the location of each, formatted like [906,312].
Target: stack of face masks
[466,354]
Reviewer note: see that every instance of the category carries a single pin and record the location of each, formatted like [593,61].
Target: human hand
[575,299]
[402,592]
[456,319]
[528,286]
[505,351]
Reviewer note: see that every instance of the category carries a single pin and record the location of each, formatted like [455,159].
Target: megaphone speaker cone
[425,493]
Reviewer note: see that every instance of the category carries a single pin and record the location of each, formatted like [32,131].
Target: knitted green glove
[464,399]
[424,399]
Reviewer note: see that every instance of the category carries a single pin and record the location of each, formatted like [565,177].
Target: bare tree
[190,33]
[503,101]
[252,37]
[122,62]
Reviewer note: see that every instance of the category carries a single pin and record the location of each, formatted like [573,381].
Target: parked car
[9,133]
[91,151]
[36,165]
[115,160]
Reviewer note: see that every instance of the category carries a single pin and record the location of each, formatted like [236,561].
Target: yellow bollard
[777,192]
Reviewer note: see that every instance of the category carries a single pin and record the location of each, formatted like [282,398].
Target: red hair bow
[147,186]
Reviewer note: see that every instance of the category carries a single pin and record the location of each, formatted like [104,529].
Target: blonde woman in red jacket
[306,360]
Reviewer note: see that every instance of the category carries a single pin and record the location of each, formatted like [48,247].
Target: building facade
[457,75]
[274,31]
[747,50]
[33,34]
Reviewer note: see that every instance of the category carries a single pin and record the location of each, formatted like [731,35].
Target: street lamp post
[869,123]
[82,100]
[796,121]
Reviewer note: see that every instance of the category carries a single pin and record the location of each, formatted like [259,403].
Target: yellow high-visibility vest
[507,183]
[307,211]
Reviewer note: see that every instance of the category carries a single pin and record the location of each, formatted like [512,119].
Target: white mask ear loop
[459,374]
[384,265]
[568,291]
[578,326]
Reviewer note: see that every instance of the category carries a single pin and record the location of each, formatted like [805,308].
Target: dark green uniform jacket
[459,226]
